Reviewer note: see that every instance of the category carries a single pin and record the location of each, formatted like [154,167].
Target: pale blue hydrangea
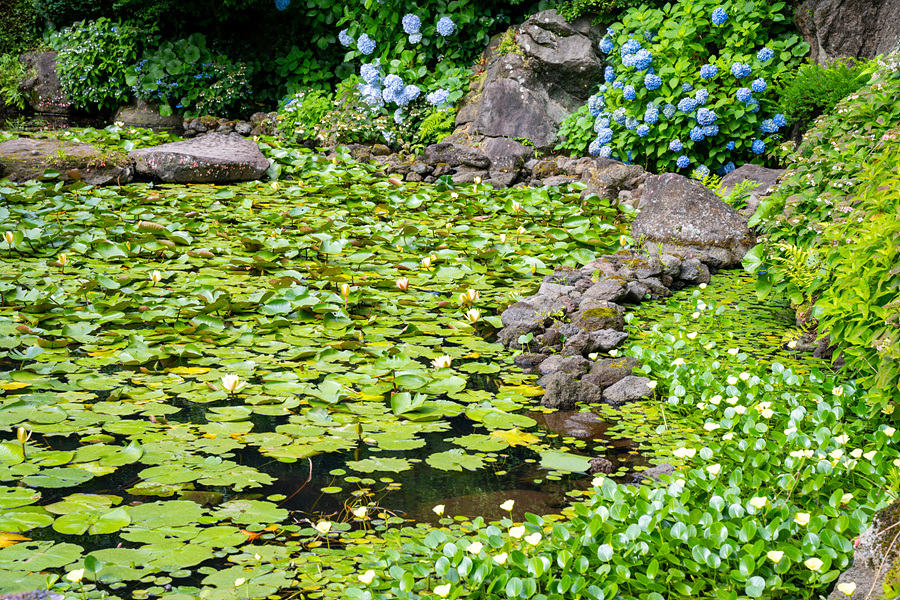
[415,38]
[618,85]
[701,96]
[686,87]
[730,145]
[605,152]
[697,134]
[605,135]
[765,54]
[651,115]
[365,44]
[710,130]
[628,92]
[398,116]
[768,126]
[610,31]
[759,85]
[631,123]
[603,88]
[393,82]
[628,61]
[371,73]
[744,95]
[687,105]
[702,171]
[411,23]
[706,117]
[758,146]
[619,116]
[652,82]
[606,45]
[411,92]
[740,70]
[753,106]
[438,97]
[643,130]
[445,26]
[709,71]
[719,16]
[601,123]
[676,145]
[371,94]
[779,120]
[649,35]
[683,162]
[609,74]
[630,47]
[642,59]
[669,110]
[594,148]
[345,39]
[595,105]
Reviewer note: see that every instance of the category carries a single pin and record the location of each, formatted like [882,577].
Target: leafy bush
[603,11]
[94,62]
[689,84]
[300,117]
[187,76]
[66,12]
[18,26]
[576,131]
[12,72]
[436,126]
[814,90]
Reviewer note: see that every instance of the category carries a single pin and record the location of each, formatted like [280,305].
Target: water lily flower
[870,455]
[367,577]
[813,564]
[802,519]
[426,262]
[597,481]
[614,353]
[702,286]
[856,453]
[758,502]
[716,399]
[516,206]
[345,291]
[533,268]
[623,240]
[438,510]
[516,532]
[775,556]
[733,351]
[75,576]
[399,248]
[323,527]
[442,590]
[441,362]
[403,283]
[767,413]
[836,454]
[473,314]
[155,277]
[360,512]
[8,238]
[838,391]
[239,581]
[534,538]
[23,435]
[888,410]
[792,344]
[468,297]
[500,559]
[521,230]
[846,498]
[508,505]
[475,547]
[685,452]
[889,431]
[62,259]
[732,400]
[714,469]
[695,315]
[478,181]
[232,383]
[846,588]
[502,238]
[732,380]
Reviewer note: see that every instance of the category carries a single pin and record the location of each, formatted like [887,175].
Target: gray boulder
[22,159]
[576,365]
[41,84]
[849,28]
[600,465]
[526,316]
[608,289]
[587,342]
[763,177]
[144,116]
[594,315]
[455,155]
[875,558]
[683,216]
[506,155]
[610,371]
[627,389]
[212,158]
[561,391]
[653,473]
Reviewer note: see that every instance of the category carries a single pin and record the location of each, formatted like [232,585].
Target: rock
[469,176]
[610,371]
[529,360]
[635,291]
[414,177]
[143,116]
[506,154]
[561,391]
[600,465]
[656,287]
[671,265]
[598,315]
[41,84]
[605,177]
[502,179]
[421,169]
[577,424]
[509,109]
[694,272]
[563,277]
[576,365]
[587,342]
[653,473]
[558,180]
[766,178]
[608,289]
[555,290]
[849,28]
[627,389]
[213,158]
[682,215]
[243,128]
[22,159]
[455,155]
[546,168]
[521,319]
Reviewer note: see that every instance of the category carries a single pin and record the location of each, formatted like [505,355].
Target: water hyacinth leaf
[455,460]
[564,461]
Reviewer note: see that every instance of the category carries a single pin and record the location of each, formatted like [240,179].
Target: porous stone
[627,389]
[455,155]
[848,28]
[561,391]
[763,177]
[506,154]
[576,365]
[212,158]
[469,176]
[142,115]
[529,360]
[609,371]
[654,473]
[41,85]
[600,465]
[588,342]
[22,159]
[608,289]
[597,314]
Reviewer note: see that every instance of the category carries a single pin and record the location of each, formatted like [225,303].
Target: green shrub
[814,90]
[63,13]
[706,102]
[576,132]
[300,117]
[602,11]
[95,58]
[18,26]
[436,126]
[11,74]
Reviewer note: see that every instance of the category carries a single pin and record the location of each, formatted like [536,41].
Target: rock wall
[849,28]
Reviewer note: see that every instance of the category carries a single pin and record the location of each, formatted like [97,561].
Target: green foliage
[300,117]
[814,90]
[12,72]
[300,70]
[508,43]
[682,39]
[188,76]
[18,26]
[602,11]
[94,61]
[576,132]
[436,126]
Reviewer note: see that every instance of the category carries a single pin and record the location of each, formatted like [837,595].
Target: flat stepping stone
[212,158]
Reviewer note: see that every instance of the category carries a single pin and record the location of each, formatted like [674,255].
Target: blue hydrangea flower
[740,70]
[601,122]
[765,54]
[411,92]
[768,126]
[398,116]
[686,87]
[603,88]
[697,134]
[630,47]
[345,39]
[605,136]
[683,162]
[605,152]
[370,73]
[279,4]
[606,45]
[669,110]
[744,95]
[595,105]
[393,82]
[687,105]
[365,44]
[702,171]
[631,123]
[609,74]
[779,120]
[652,82]
[642,59]
[649,35]
[758,146]
[651,115]
[728,168]
[411,23]
[719,16]
[710,130]
[759,85]
[706,117]
[676,145]
[445,26]
[594,148]
[643,130]
[628,92]
[415,38]
[730,145]
[708,71]
[753,106]
[371,94]
[619,116]
[618,85]
[628,61]
[610,31]
[701,96]
[438,97]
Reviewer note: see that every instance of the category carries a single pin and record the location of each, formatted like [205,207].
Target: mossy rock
[23,159]
[595,319]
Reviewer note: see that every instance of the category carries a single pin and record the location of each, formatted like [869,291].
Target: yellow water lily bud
[62,259]
[23,435]
[8,238]
[345,291]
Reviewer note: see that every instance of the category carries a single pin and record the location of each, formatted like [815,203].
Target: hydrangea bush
[688,85]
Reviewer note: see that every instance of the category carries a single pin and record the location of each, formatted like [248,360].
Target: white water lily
[775,556]
[678,362]
[442,362]
[534,538]
[702,286]
[695,315]
[692,335]
[802,519]
[438,510]
[62,259]
[728,436]
[155,277]
[473,315]
[733,351]
[870,455]
[516,206]
[360,512]
[323,527]
[516,532]
[740,409]
[716,399]
[367,577]
[856,453]
[731,400]
[846,498]
[732,380]
[426,262]
[232,384]
[403,283]
[710,426]
[889,431]
[767,413]
[345,291]
[475,547]
[744,376]
[508,505]
[8,238]
[468,297]
[521,230]
[836,454]
[838,391]
[813,564]
[846,588]
[652,384]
